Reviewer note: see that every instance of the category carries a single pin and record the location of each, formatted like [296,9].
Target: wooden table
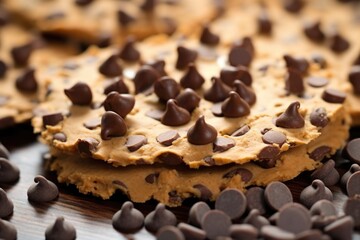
[90,216]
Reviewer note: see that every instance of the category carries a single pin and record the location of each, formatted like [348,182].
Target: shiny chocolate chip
[274,137]
[245,92]
[320,152]
[145,77]
[217,92]
[192,78]
[42,190]
[60,229]
[223,144]
[201,133]
[175,115]
[110,67]
[234,106]
[315,192]
[277,194]
[112,125]
[128,219]
[291,118]
[331,95]
[52,119]
[166,88]
[134,142]
[168,137]
[159,218]
[209,38]
[230,74]
[185,57]
[79,94]
[87,146]
[129,52]
[27,82]
[121,104]
[241,131]
[188,99]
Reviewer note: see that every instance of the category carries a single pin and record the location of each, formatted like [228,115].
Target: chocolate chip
[112,125]
[169,158]
[299,64]
[354,78]
[83,2]
[159,66]
[188,99]
[331,95]
[255,199]
[229,74]
[354,168]
[192,78]
[201,133]
[135,142]
[294,218]
[317,82]
[245,174]
[21,54]
[293,6]
[209,38]
[52,119]
[274,137]
[291,118]
[121,104]
[170,232]
[241,131]
[148,5]
[255,219]
[185,56]
[341,229]
[3,68]
[110,67]
[168,137]
[191,232]
[197,212]
[60,229]
[4,153]
[216,224]
[352,150]
[223,144]
[217,92]
[319,153]
[129,52]
[234,106]
[245,92]
[264,23]
[79,94]
[327,173]
[155,114]
[159,218]
[92,123]
[7,230]
[232,202]
[87,146]
[274,233]
[320,60]
[42,190]
[315,192]
[6,205]
[277,195]
[205,193]
[9,173]
[151,178]
[323,208]
[352,185]
[166,88]
[351,208]
[318,117]
[26,82]
[268,157]
[60,137]
[145,78]
[294,82]
[175,115]
[243,231]
[313,32]
[124,18]
[239,56]
[128,219]
[339,44]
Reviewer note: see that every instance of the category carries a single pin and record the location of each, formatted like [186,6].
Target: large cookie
[20,53]
[143,142]
[172,185]
[102,21]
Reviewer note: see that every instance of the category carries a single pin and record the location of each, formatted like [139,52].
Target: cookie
[21,53]
[171,185]
[103,22]
[277,121]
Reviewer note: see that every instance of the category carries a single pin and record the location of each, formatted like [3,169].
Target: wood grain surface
[90,216]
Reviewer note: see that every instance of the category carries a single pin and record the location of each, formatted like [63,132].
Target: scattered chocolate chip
[353,168]
[112,125]
[293,6]
[239,56]
[318,117]
[121,104]
[197,212]
[134,142]
[168,137]
[9,173]
[352,150]
[327,173]
[216,224]
[110,67]
[255,219]
[155,114]
[159,66]
[241,131]
[79,94]
[209,38]
[145,78]
[124,18]
[223,144]
[92,123]
[320,60]
[191,232]
[83,2]
[246,43]
[6,205]
[331,95]
[185,57]
[268,157]
[351,208]
[274,233]
[42,190]
[3,68]
[170,232]
[232,202]
[26,82]
[315,192]
[217,92]
[291,118]
[170,159]
[205,193]
[52,119]
[294,82]
[299,64]
[86,146]
[159,218]
[230,74]
[354,78]
[175,115]
[234,106]
[4,153]
[166,88]
[339,44]
[243,231]
[274,137]
[245,174]
[341,229]
[128,219]
[245,92]
[317,82]
[7,230]
[188,99]
[21,54]
[104,40]
[319,153]
[129,52]
[192,78]
[60,229]
[264,23]
[323,208]
[60,137]
[201,133]
[255,199]
[277,195]
[313,32]
[151,178]
[294,218]
[352,185]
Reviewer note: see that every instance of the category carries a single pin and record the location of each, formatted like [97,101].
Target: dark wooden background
[90,216]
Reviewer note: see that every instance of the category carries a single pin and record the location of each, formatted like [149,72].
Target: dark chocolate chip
[151,178]
[7,229]
[168,137]
[201,133]
[319,153]
[60,137]
[318,117]
[293,6]
[323,208]
[169,158]
[110,67]
[234,106]
[239,56]
[294,82]
[79,94]
[232,202]
[352,185]
[148,5]
[313,32]
[223,144]
[241,131]
[128,219]
[3,68]
[192,78]
[170,232]
[159,218]
[166,88]
[299,64]
[255,219]
[42,190]
[26,82]
[124,18]
[121,104]
[205,193]
[274,137]
[291,118]
[6,205]
[275,233]
[229,74]
[352,150]
[341,229]
[246,43]
[331,95]
[315,192]
[21,54]
[104,40]
[83,2]
[92,123]
[256,199]
[339,44]
[317,82]
[129,52]
[354,78]
[216,224]
[175,115]
[52,119]
[9,173]
[159,66]
[112,125]
[86,146]
[155,114]
[268,157]
[188,99]
[197,212]
[277,195]
[209,161]
[209,38]
[145,78]
[135,142]
[60,229]
[191,232]
[4,153]
[245,92]
[243,231]
[351,208]
[353,168]
[217,92]
[327,173]
[294,218]
[264,23]
[185,57]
